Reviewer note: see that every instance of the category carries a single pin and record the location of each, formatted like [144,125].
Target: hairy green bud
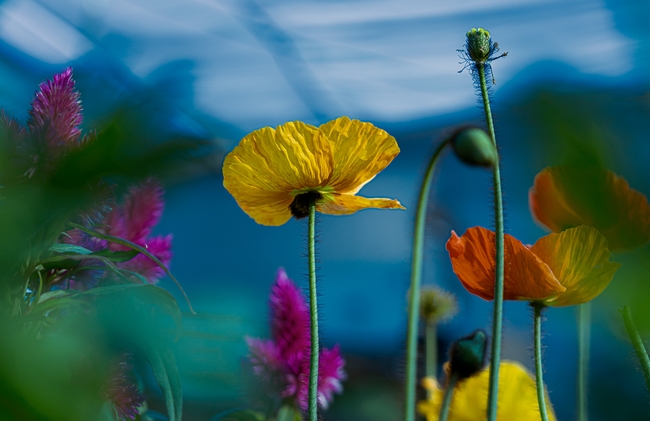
[467,355]
[474,147]
[479,45]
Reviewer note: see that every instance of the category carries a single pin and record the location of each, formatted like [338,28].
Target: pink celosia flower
[56,112]
[121,391]
[134,220]
[283,362]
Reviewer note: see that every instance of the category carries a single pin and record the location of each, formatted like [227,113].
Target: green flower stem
[431,349]
[497,316]
[414,293]
[541,398]
[584,335]
[313,316]
[641,352]
[446,400]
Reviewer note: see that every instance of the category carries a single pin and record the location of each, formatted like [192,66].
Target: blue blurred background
[576,78]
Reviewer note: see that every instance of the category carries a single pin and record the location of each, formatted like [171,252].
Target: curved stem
[637,342]
[431,349]
[497,315]
[446,400]
[313,316]
[541,398]
[584,335]
[414,292]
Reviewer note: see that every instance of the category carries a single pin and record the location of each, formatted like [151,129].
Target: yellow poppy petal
[517,399]
[579,258]
[268,164]
[473,261]
[345,204]
[360,150]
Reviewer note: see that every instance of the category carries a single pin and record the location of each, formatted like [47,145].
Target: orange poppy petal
[473,260]
[565,197]
[548,203]
[345,204]
[360,150]
[579,258]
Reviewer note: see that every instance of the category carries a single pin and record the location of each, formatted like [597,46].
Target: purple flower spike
[289,318]
[283,362]
[56,113]
[122,391]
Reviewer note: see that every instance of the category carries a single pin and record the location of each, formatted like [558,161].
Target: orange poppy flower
[563,197]
[563,269]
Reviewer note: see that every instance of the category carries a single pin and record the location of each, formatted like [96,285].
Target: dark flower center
[301,203]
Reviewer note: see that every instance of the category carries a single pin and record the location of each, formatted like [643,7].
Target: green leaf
[116,256]
[68,248]
[163,365]
[141,249]
[288,413]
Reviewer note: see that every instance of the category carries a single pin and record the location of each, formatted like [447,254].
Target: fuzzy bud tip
[479,45]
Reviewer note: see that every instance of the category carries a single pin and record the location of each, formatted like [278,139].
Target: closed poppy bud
[479,45]
[474,147]
[467,355]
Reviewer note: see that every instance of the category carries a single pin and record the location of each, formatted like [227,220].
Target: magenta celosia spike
[330,375]
[289,318]
[141,210]
[56,112]
[265,357]
[159,246]
[122,391]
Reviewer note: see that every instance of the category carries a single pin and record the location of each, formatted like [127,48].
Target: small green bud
[479,45]
[474,147]
[437,305]
[467,355]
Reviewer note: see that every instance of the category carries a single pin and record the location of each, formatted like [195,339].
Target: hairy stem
[497,315]
[637,342]
[414,292]
[313,316]
[541,398]
[584,335]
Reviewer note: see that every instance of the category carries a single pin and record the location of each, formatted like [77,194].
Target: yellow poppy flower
[517,397]
[274,174]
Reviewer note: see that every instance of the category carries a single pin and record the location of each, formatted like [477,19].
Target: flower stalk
[416,280]
[497,315]
[637,342]
[584,336]
[313,315]
[541,399]
[446,400]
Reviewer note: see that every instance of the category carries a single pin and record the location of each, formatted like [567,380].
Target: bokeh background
[574,84]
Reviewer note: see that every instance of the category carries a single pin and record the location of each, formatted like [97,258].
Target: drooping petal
[579,258]
[526,276]
[361,151]
[159,246]
[289,318]
[517,400]
[345,204]
[564,197]
[56,112]
[548,204]
[330,375]
[269,164]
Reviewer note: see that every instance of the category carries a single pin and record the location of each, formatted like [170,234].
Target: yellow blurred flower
[517,397]
[274,174]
